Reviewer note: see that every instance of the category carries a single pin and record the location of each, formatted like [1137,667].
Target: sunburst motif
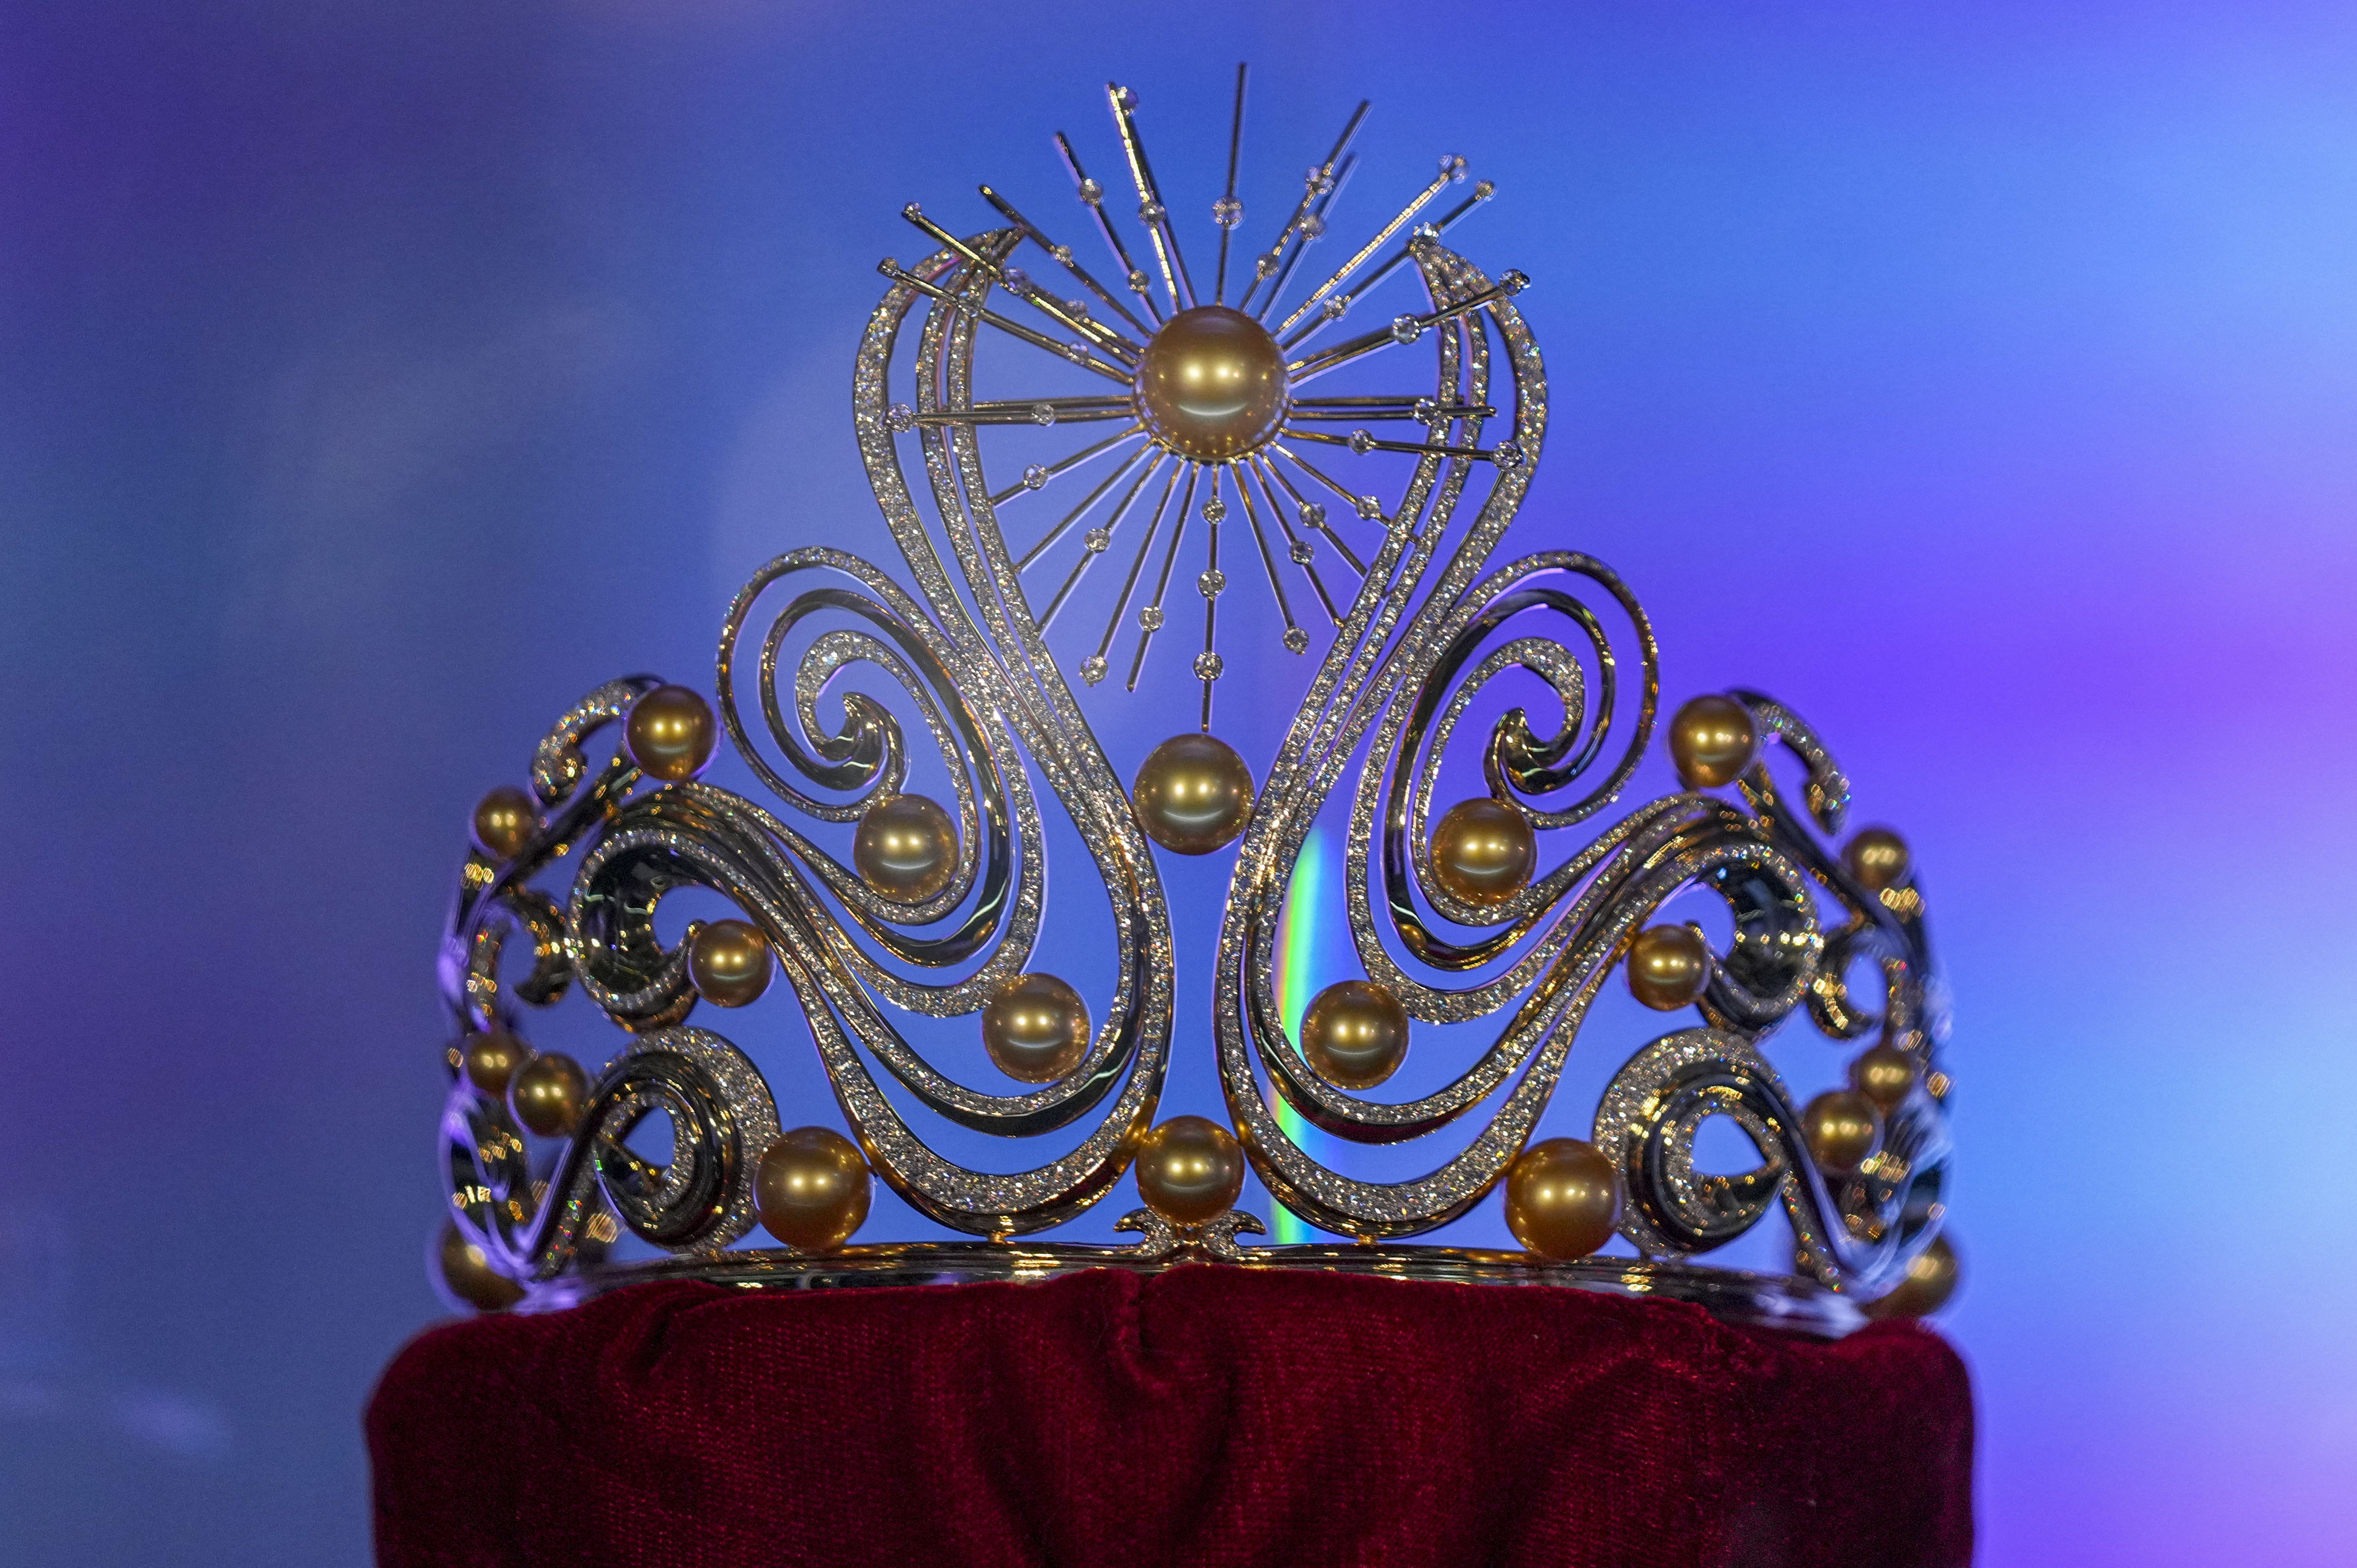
[1213,423]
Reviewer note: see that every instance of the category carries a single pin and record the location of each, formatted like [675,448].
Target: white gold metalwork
[1435,618]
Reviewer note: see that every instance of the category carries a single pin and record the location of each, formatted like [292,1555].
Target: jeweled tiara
[1372,517]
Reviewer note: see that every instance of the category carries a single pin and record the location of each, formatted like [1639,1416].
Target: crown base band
[1749,1300]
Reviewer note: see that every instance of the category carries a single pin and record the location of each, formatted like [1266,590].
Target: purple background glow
[1981,380]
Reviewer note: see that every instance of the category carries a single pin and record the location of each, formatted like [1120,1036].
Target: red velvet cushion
[1206,1416]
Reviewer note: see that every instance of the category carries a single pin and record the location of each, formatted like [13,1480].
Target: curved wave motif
[841,690]
[1397,701]
[721,1119]
[1856,1236]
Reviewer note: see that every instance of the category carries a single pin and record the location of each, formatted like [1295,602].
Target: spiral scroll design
[1857,1235]
[842,688]
[532,1216]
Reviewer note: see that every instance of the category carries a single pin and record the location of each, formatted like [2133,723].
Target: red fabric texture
[1203,1416]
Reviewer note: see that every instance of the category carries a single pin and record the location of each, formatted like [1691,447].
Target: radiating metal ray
[1063,256]
[1154,456]
[1213,582]
[1151,209]
[1367,506]
[1071,353]
[1422,410]
[1313,228]
[1403,329]
[1036,476]
[1098,543]
[1313,516]
[1129,584]
[1228,212]
[1260,537]
[1452,169]
[1299,551]
[1362,442]
[1149,619]
[1046,304]
[1483,191]
[1047,410]
[1091,195]
[1320,177]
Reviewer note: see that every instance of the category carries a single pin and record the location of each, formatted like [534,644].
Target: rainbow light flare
[1297,947]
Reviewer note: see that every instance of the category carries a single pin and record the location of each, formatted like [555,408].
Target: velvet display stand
[1206,1416]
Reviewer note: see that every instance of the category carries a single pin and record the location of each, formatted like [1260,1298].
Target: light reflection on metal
[1417,618]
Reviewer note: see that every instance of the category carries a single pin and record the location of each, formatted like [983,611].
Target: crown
[1342,497]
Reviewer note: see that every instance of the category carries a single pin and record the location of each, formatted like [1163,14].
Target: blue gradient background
[1980,379]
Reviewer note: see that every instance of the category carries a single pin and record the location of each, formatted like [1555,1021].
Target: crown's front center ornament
[1211,384]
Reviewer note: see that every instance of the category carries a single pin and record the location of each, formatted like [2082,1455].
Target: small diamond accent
[901,418]
[1150,212]
[1214,509]
[1454,168]
[1427,411]
[1313,515]
[1371,509]
[1034,476]
[1211,584]
[1093,669]
[1303,553]
[1209,665]
[1092,192]
[1296,639]
[1508,456]
[1227,212]
[1334,307]
[1362,442]
[1150,617]
[1264,264]
[1017,280]
[1312,226]
[1063,254]
[1407,329]
[1043,413]
[1138,282]
[1098,539]
[1514,282]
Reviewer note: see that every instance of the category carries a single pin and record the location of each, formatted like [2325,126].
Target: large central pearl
[1211,386]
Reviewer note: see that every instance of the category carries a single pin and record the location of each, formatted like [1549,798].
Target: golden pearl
[906,849]
[1562,1198]
[1842,1128]
[1193,794]
[811,1187]
[1930,1279]
[729,962]
[1713,740]
[1211,384]
[1883,1074]
[504,820]
[1669,967]
[1483,851]
[467,1270]
[1877,857]
[1355,1034]
[669,734]
[492,1059]
[1190,1170]
[1036,1028]
[549,1093]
